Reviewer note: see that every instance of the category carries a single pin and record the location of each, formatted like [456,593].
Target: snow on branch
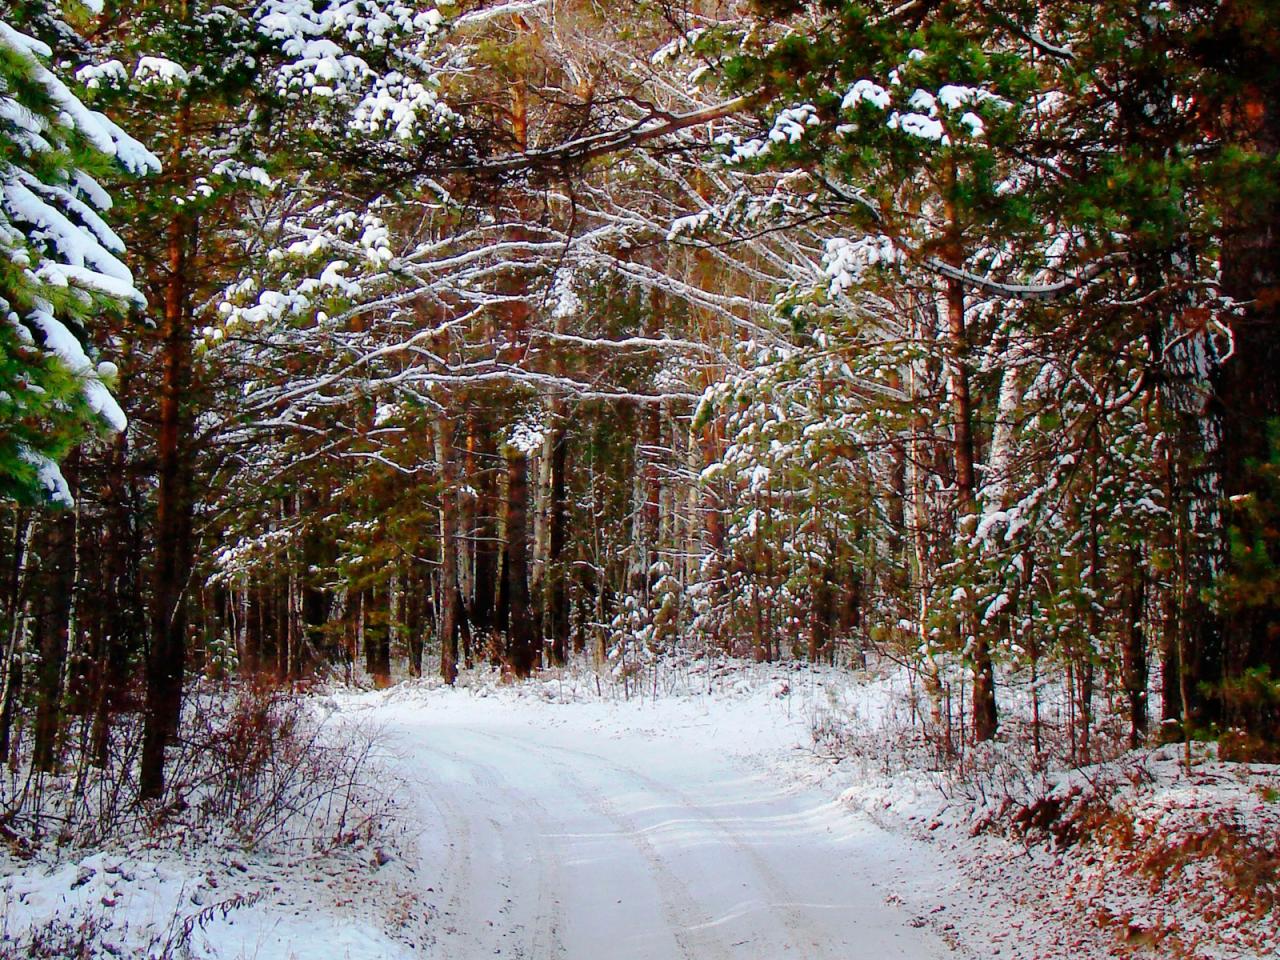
[1026,292]
[653,126]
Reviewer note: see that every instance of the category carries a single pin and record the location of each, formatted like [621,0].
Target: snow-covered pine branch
[62,265]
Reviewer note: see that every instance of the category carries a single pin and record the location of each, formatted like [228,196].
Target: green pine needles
[59,268]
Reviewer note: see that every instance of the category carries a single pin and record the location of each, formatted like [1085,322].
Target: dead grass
[1170,864]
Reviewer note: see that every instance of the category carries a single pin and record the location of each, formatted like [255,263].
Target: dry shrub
[1211,878]
[251,764]
[260,764]
[90,935]
[252,767]
[1168,871]
[61,938]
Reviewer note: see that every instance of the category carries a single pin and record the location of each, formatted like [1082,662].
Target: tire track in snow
[802,935]
[519,839]
[457,870]
[693,932]
[545,918]
[686,860]
[456,877]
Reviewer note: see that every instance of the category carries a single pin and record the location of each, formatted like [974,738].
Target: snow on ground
[278,841]
[209,905]
[1135,855]
[699,817]
[557,822]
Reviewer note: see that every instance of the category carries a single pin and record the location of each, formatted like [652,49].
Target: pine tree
[60,267]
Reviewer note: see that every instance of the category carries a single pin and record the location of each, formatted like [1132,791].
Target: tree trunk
[1247,401]
[450,595]
[644,539]
[123,618]
[315,620]
[52,604]
[416,601]
[284,598]
[482,459]
[712,513]
[377,640]
[1134,654]
[12,664]
[520,647]
[984,690]
[173,546]
[556,621]
[312,638]
[821,609]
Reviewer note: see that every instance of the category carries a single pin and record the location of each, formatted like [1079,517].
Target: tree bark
[12,664]
[52,631]
[1134,653]
[123,619]
[644,539]
[556,621]
[985,718]
[416,602]
[1247,401]
[173,545]
[520,647]
[377,640]
[450,595]
[482,459]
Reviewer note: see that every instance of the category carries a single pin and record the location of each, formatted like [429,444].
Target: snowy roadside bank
[278,841]
[206,904]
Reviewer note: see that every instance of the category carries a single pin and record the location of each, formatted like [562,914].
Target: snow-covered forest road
[553,832]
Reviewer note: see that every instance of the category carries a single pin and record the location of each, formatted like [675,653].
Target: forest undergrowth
[1165,850]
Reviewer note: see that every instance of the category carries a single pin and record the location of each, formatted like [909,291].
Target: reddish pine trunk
[450,596]
[985,718]
[482,458]
[557,619]
[520,645]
